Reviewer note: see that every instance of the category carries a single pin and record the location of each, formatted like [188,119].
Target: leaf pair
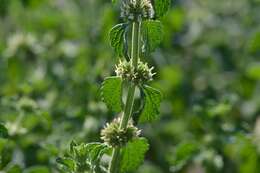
[111,93]
[151,34]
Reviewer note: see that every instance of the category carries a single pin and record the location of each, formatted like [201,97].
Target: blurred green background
[54,54]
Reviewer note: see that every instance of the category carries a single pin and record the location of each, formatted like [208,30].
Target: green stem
[136,27]
[135,49]
[114,162]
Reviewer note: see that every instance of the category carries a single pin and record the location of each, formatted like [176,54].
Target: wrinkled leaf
[152,102]
[95,151]
[84,157]
[161,7]
[152,34]
[117,38]
[111,93]
[68,163]
[133,155]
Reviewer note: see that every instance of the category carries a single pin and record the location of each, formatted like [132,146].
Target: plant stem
[114,161]
[128,109]
[135,48]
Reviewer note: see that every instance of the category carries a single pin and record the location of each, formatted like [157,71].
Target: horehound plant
[133,40]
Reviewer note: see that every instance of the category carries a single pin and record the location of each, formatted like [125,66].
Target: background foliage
[54,55]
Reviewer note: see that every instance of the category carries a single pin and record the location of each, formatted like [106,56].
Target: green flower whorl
[140,75]
[134,10]
[114,136]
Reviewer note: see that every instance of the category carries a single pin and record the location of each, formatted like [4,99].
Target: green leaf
[182,154]
[253,71]
[73,144]
[152,33]
[133,155]
[96,151]
[3,131]
[111,93]
[37,169]
[91,152]
[68,163]
[83,157]
[152,102]
[117,37]
[254,43]
[161,7]
[14,169]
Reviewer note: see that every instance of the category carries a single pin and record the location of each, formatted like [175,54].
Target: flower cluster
[138,75]
[137,9]
[114,136]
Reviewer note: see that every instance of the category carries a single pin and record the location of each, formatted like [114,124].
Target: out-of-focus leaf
[182,154]
[68,163]
[161,7]
[243,151]
[4,7]
[3,131]
[219,110]
[14,169]
[254,43]
[133,155]
[37,169]
[253,71]
[152,102]
[111,93]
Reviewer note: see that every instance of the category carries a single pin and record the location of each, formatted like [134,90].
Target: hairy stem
[128,109]
[114,161]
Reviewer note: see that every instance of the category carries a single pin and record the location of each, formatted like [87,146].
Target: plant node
[114,136]
[135,10]
[139,75]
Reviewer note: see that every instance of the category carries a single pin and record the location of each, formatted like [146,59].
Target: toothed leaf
[67,164]
[84,157]
[133,155]
[161,7]
[152,102]
[117,38]
[152,35]
[111,93]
